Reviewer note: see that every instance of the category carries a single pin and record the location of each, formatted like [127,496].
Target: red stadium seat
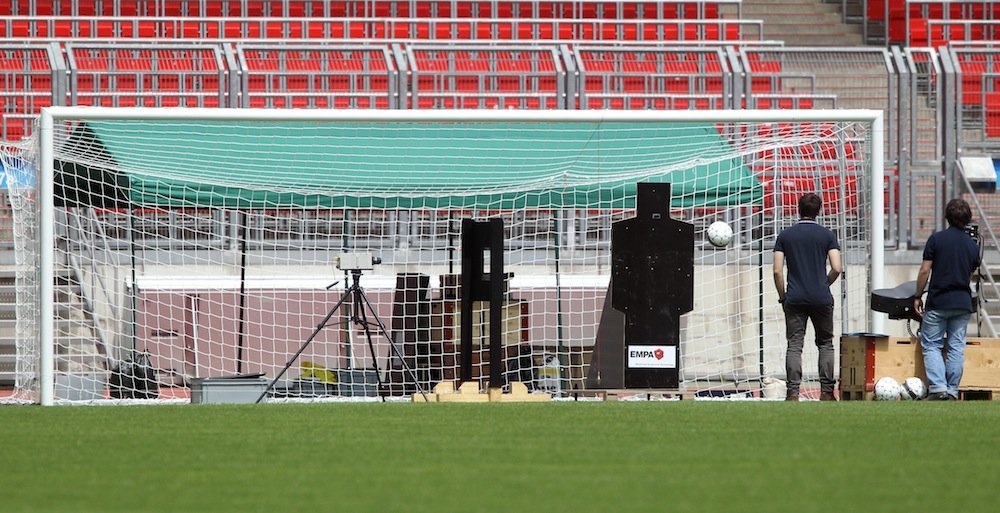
[834,189]
[991,110]
[356,77]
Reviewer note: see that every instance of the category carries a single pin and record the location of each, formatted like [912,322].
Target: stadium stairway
[803,22]
[8,325]
[77,350]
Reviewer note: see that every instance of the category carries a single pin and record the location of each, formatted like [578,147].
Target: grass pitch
[553,457]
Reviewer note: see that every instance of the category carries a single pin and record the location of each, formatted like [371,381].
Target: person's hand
[918,306]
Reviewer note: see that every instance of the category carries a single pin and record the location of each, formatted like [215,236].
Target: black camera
[973,230]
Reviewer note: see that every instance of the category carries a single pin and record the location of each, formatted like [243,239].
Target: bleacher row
[66,28]
[535,20]
[419,54]
[427,75]
[934,22]
[415,75]
[563,9]
[421,75]
[532,54]
[904,22]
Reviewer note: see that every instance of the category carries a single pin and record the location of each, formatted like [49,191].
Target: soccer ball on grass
[887,389]
[913,388]
[719,234]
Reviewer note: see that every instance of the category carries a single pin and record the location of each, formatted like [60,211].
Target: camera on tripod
[357,261]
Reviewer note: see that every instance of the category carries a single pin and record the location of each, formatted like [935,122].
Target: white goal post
[204,240]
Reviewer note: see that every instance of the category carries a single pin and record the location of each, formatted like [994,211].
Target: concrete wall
[194,331]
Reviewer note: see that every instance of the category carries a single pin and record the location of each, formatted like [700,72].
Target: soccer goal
[161,250]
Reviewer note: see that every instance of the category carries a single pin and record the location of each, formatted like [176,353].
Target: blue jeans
[944,371]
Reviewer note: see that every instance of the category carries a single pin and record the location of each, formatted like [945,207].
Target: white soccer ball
[887,389]
[913,388]
[719,234]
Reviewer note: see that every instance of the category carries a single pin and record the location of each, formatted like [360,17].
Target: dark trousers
[795,330]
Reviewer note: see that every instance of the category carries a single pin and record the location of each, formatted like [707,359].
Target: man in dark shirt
[806,247]
[951,256]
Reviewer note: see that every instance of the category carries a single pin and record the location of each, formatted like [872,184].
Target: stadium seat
[318,76]
[112,75]
[498,77]
[764,74]
[834,189]
[26,86]
[645,78]
[980,72]
[991,110]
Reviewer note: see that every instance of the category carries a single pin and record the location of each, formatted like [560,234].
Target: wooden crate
[446,318]
[517,363]
[865,359]
[982,364]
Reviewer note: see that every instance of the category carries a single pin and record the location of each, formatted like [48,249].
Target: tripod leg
[305,344]
[392,344]
[362,319]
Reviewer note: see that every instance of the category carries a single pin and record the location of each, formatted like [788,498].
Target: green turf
[558,457]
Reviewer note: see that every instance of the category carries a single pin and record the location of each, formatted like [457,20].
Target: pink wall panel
[197,333]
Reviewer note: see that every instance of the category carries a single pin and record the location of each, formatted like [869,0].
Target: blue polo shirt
[954,256]
[806,245]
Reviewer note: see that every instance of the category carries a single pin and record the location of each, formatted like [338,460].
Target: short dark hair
[809,205]
[958,213]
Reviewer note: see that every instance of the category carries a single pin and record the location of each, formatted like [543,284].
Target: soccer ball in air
[913,388]
[719,234]
[887,389]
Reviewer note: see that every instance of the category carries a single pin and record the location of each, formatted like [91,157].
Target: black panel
[479,285]
[652,284]
[607,369]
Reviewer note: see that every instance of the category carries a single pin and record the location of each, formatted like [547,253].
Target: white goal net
[186,247]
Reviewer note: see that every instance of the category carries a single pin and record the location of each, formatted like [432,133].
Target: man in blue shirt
[806,247]
[951,256]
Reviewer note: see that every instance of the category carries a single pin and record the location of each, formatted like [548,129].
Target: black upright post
[480,285]
[240,343]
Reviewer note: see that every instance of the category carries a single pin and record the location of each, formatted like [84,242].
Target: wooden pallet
[619,394]
[964,394]
[468,392]
[979,394]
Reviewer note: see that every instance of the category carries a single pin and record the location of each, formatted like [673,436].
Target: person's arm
[836,267]
[922,276]
[779,275]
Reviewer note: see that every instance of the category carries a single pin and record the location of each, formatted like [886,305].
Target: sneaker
[792,397]
[940,396]
[827,396]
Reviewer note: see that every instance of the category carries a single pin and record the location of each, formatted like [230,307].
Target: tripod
[359,316]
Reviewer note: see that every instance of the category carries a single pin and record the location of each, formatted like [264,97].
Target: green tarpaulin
[418,165]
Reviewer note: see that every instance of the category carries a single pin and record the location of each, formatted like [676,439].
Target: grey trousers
[796,317]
